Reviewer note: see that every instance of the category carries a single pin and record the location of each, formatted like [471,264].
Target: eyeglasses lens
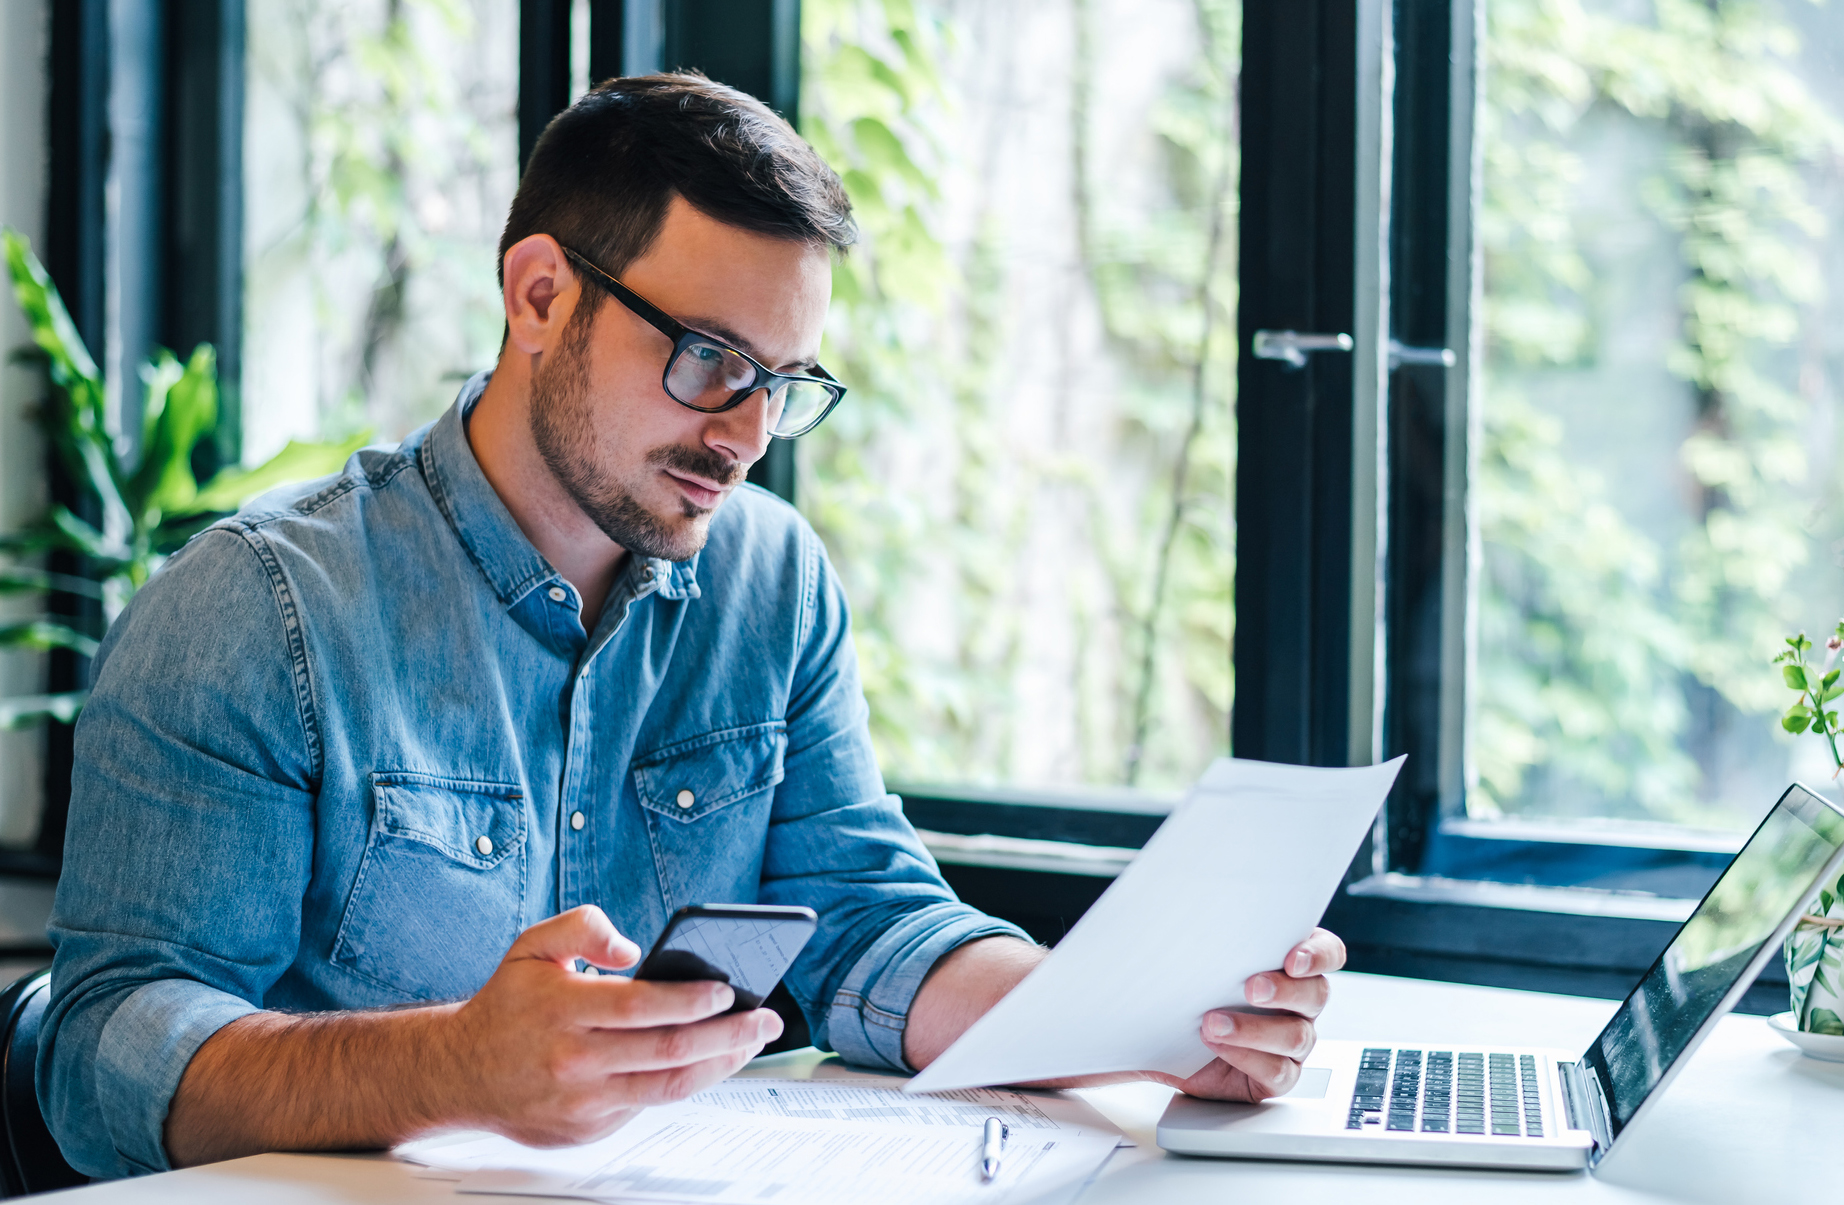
[800,405]
[707,375]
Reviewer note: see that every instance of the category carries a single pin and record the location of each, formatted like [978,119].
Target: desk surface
[1749,1120]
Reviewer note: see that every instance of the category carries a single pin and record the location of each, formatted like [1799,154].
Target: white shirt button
[558,594]
[576,820]
[484,844]
[686,799]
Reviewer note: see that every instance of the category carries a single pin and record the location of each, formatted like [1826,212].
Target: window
[1657,478]
[1643,450]
[1029,493]
[380,155]
[1604,517]
[1539,526]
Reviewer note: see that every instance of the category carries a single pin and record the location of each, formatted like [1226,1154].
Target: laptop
[1528,1108]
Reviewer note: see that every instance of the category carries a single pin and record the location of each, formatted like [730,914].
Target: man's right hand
[550,1056]
[543,1053]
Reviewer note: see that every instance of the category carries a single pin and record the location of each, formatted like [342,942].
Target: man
[368,768]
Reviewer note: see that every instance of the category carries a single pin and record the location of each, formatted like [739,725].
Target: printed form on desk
[797,1141]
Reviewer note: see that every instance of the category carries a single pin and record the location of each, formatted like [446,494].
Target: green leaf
[83,435]
[1826,1021]
[1796,723]
[20,579]
[1805,958]
[1795,677]
[72,368]
[73,533]
[43,635]
[885,153]
[21,710]
[296,462]
[182,406]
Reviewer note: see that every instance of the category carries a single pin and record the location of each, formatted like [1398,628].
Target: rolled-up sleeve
[188,849]
[870,1009]
[841,844]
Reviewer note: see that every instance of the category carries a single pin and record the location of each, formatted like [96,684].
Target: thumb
[584,933]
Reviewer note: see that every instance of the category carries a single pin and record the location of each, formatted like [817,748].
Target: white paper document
[880,1100]
[1238,874]
[793,1142]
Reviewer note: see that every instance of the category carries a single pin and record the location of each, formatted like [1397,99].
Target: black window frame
[1359,182]
[1519,905]
[177,241]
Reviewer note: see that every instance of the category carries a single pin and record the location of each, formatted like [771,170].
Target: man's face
[648,471]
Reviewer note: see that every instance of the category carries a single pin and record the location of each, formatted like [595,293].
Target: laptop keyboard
[1441,1092]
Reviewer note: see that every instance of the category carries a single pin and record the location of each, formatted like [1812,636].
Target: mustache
[699,462]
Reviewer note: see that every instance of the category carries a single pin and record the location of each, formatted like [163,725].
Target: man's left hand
[1259,1055]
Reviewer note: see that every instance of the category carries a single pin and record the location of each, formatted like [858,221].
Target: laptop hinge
[1585,1103]
[1572,1104]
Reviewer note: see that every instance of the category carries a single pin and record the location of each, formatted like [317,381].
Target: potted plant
[137,506]
[1815,948]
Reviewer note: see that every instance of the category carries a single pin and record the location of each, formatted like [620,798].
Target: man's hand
[551,1056]
[1259,1055]
[543,1054]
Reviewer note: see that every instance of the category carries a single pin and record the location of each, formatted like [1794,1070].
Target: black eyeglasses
[709,375]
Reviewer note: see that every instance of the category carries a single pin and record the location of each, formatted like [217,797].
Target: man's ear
[540,293]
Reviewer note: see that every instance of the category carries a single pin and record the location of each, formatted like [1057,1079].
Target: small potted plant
[1815,948]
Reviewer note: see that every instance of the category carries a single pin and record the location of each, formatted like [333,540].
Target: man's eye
[706,353]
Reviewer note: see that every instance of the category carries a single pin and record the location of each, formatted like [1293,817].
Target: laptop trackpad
[1312,1084]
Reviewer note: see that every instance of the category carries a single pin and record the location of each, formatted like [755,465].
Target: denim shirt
[346,745]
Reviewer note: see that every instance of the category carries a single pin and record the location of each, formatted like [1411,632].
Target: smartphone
[748,946]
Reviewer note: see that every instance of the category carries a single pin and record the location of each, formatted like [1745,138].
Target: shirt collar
[487,529]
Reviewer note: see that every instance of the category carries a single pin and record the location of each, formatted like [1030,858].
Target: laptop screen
[1774,873]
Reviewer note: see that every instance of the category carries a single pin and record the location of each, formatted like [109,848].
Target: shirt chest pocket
[440,892]
[707,802]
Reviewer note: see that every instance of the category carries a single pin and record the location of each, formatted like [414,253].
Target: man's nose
[741,434]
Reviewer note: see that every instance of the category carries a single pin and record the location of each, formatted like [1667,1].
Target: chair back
[31,1161]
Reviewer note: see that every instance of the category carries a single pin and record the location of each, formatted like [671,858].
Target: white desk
[1749,1120]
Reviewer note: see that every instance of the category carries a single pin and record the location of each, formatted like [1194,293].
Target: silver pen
[992,1149]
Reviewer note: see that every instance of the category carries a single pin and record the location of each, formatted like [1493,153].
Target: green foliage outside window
[1603,642]
[923,332]
[1612,655]
[380,158]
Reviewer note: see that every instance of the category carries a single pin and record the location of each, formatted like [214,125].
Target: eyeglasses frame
[683,337]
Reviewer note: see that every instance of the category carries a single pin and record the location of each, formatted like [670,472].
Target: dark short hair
[606,169]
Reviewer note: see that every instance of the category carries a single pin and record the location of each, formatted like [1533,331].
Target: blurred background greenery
[1657,487]
[1029,494]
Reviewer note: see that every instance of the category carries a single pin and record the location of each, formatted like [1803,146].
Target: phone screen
[749,948]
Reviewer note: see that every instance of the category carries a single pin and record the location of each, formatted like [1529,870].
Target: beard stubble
[562,425]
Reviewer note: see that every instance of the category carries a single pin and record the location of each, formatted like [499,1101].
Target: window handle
[1402,353]
[1291,347]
